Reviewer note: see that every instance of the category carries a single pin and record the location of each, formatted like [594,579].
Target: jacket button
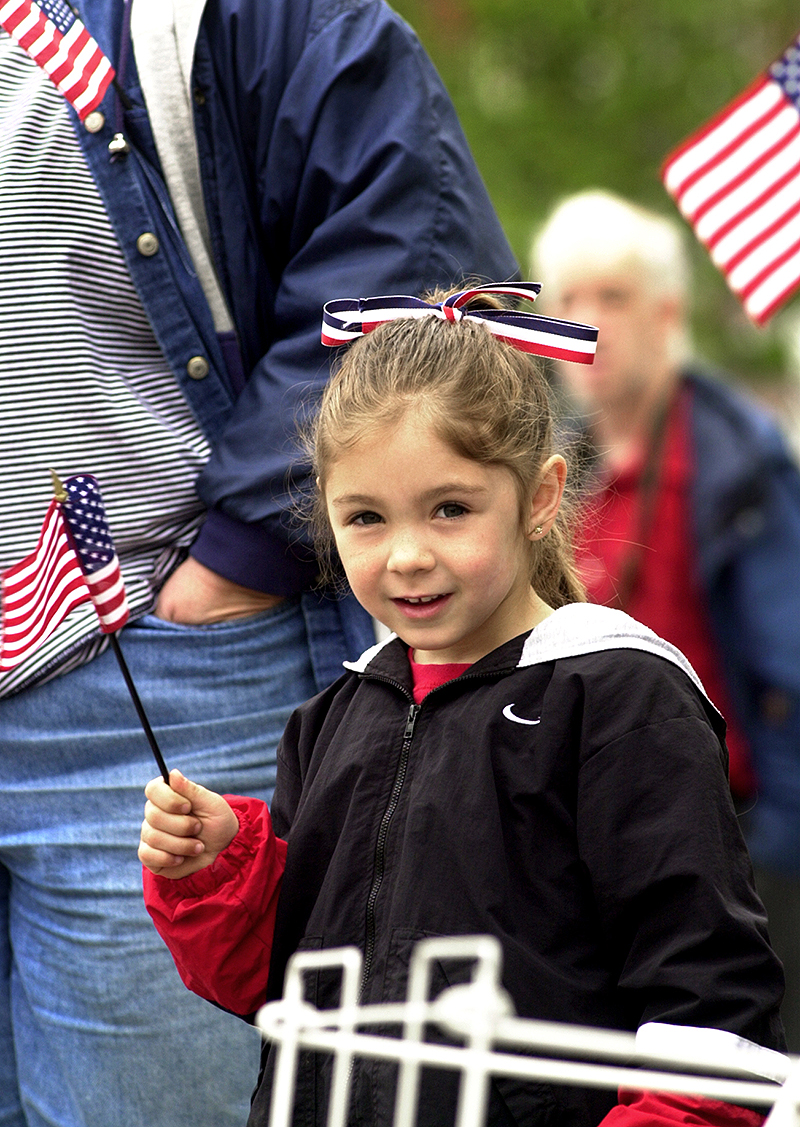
[197,368]
[118,146]
[147,244]
[94,121]
[199,96]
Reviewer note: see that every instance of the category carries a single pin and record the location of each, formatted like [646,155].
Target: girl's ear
[546,500]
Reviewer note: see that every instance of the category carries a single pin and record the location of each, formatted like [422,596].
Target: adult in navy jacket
[331,164]
[746,517]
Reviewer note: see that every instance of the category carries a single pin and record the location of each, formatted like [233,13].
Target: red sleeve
[219,922]
[666,1109]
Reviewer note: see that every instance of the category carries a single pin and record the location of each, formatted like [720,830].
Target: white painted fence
[495,1043]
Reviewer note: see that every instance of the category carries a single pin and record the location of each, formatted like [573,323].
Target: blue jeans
[96,1028]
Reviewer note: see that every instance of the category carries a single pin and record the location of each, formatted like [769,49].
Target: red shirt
[428,677]
[665,594]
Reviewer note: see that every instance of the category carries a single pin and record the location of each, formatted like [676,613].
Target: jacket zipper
[380,845]
[388,814]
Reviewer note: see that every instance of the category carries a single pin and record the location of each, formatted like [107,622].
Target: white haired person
[692,524]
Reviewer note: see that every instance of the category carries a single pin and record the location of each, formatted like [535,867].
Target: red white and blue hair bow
[347,318]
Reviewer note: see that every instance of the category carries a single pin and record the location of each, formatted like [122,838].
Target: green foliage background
[555,97]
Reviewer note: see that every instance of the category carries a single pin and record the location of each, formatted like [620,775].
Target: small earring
[538,530]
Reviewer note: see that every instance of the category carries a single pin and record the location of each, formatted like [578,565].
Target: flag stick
[148,731]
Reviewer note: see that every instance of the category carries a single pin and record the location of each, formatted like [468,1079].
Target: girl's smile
[421,607]
[433,543]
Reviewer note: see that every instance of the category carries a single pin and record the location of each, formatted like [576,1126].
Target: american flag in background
[74,562]
[737,181]
[56,39]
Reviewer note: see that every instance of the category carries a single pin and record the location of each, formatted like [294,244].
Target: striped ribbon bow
[347,318]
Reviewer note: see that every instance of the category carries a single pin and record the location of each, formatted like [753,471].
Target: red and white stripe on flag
[58,41]
[737,182]
[39,592]
[107,592]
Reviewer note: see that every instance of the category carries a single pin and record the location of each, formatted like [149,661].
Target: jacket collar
[388,660]
[583,628]
[570,631]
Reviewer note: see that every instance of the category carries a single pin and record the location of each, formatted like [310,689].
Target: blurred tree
[595,93]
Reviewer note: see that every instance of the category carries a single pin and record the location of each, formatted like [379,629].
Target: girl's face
[433,544]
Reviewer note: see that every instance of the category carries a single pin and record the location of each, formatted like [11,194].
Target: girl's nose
[408,554]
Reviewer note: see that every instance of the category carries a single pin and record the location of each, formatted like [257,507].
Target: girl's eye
[451,509]
[366,518]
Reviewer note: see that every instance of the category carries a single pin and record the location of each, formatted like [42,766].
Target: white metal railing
[480,1015]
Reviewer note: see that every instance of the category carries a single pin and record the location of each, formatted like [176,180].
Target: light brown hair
[485,399]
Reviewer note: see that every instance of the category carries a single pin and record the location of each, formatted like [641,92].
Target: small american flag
[55,38]
[74,562]
[737,181]
[86,518]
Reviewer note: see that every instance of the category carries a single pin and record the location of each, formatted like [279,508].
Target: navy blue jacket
[332,165]
[746,514]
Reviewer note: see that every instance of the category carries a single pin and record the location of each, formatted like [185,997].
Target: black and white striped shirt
[84,386]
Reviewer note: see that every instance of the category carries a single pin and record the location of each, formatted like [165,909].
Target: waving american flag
[74,562]
[737,181]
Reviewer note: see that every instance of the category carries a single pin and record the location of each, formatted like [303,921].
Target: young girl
[511,761]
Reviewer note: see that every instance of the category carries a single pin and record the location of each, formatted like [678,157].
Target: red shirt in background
[665,594]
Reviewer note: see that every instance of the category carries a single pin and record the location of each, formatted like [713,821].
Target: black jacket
[599,845]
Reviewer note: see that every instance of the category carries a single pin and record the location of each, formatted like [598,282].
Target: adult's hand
[196,596]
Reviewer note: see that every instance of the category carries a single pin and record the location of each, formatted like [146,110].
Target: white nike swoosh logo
[509,715]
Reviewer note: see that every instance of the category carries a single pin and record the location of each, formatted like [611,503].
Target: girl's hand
[185,827]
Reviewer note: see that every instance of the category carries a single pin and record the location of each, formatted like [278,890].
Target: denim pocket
[223,693]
